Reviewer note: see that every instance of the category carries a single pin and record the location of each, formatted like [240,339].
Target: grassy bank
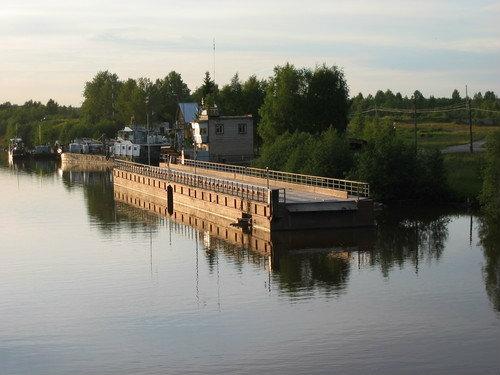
[442,135]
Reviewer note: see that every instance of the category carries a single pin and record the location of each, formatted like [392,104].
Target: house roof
[189,111]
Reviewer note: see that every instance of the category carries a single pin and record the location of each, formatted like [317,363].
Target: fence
[237,189]
[360,189]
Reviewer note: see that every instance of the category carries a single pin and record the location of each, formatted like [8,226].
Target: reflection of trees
[321,260]
[33,167]
[415,237]
[489,234]
[98,193]
[307,271]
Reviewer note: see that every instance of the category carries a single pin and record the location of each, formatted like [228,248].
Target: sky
[49,49]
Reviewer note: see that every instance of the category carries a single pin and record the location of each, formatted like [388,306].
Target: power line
[486,110]
[411,111]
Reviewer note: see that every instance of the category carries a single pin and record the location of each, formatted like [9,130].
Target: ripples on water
[92,286]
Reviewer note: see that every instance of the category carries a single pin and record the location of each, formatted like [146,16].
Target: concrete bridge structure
[251,200]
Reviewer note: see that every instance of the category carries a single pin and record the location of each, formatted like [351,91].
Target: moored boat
[16,149]
[43,152]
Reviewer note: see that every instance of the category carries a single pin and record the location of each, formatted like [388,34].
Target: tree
[455,96]
[231,100]
[327,99]
[393,169]
[52,107]
[100,97]
[167,93]
[304,100]
[253,92]
[418,99]
[284,104]
[208,92]
[130,103]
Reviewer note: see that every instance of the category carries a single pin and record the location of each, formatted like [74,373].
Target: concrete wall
[224,210]
[220,208]
[70,161]
[258,240]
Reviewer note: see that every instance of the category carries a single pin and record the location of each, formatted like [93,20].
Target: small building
[226,139]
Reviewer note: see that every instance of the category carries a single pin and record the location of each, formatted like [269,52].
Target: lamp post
[147,132]
[195,155]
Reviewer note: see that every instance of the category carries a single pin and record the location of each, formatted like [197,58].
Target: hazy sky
[48,49]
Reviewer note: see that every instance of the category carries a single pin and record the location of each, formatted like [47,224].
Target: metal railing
[237,189]
[355,188]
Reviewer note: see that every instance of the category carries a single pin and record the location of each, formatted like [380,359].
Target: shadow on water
[489,234]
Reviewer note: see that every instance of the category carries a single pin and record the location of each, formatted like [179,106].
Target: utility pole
[40,130]
[415,122]
[469,110]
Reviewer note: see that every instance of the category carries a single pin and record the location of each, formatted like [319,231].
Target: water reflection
[489,233]
[86,274]
[414,237]
[299,262]
[42,168]
[310,260]
[97,188]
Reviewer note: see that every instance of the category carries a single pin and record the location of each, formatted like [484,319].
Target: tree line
[304,118]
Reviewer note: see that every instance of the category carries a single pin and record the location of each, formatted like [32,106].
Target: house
[217,138]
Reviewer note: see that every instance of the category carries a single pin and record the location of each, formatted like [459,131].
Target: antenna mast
[214,59]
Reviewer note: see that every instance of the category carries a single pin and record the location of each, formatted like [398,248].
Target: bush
[326,154]
[395,171]
[490,193]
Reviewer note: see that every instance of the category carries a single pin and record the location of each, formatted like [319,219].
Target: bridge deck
[293,194]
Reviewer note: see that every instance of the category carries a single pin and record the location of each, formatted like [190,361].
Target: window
[219,129]
[242,128]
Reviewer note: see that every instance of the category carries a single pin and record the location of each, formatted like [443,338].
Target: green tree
[167,93]
[304,100]
[52,107]
[393,169]
[131,103]
[284,103]
[455,96]
[207,92]
[231,100]
[327,99]
[100,97]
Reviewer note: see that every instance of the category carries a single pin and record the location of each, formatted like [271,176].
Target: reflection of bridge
[339,241]
[251,198]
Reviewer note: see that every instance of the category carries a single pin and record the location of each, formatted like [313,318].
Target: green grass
[464,175]
[442,135]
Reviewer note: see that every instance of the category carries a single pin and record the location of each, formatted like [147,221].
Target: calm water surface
[90,286]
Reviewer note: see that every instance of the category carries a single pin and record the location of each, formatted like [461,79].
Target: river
[93,286]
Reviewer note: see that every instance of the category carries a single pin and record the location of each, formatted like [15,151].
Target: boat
[17,149]
[140,144]
[43,152]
